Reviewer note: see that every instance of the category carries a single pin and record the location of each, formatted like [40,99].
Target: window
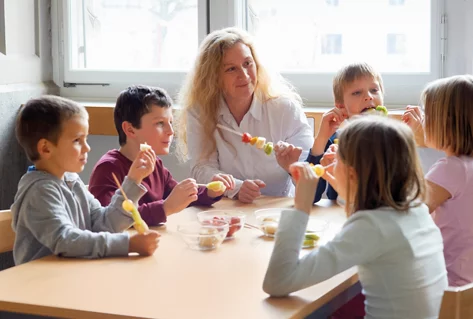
[312,43]
[310,33]
[332,44]
[332,2]
[124,42]
[396,44]
[121,42]
[134,35]
[396,2]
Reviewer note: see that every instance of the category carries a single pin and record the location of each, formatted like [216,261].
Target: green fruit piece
[268,148]
[308,243]
[382,109]
[312,236]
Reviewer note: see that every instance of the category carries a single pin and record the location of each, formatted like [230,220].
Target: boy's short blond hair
[350,73]
[448,107]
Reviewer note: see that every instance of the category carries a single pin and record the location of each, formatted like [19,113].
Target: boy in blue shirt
[357,88]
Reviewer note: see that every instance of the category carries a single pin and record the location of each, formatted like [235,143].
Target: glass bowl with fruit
[268,222]
[235,219]
[200,236]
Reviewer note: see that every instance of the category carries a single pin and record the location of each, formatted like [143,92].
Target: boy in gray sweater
[53,212]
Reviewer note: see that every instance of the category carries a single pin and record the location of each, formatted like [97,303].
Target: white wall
[25,72]
[25,41]
[459,37]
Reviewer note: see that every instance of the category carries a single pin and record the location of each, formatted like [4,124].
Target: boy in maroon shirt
[144,115]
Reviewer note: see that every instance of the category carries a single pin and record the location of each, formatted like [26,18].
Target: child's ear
[44,148]
[352,176]
[128,129]
[339,105]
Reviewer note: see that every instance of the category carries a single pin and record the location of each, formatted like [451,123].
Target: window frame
[105,83]
[315,89]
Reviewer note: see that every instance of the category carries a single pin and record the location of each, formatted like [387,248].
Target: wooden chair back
[457,303]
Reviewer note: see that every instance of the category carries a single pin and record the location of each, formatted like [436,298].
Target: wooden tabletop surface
[176,282]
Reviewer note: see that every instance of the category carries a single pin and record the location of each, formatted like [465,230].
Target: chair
[7,236]
[457,303]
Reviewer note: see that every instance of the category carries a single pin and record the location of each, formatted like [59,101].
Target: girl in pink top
[448,126]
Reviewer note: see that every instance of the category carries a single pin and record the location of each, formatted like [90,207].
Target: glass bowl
[268,222]
[200,236]
[235,219]
[268,219]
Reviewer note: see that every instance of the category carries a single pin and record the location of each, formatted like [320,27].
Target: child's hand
[181,196]
[226,179]
[144,244]
[328,176]
[329,157]
[413,117]
[286,154]
[228,183]
[142,166]
[250,190]
[329,124]
[306,186]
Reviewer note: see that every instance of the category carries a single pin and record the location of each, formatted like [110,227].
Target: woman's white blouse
[276,120]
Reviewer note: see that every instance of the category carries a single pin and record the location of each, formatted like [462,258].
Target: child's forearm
[113,218]
[286,273]
[318,147]
[153,213]
[87,244]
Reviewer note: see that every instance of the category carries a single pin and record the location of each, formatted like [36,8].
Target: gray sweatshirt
[61,217]
[399,257]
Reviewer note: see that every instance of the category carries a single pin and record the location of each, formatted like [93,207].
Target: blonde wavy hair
[448,107]
[202,89]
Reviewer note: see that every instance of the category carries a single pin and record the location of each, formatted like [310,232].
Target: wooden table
[175,282]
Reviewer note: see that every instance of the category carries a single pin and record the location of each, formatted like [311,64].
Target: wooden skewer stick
[229,129]
[119,186]
[398,107]
[331,164]
[251,226]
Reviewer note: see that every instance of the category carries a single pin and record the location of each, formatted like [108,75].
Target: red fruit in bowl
[235,225]
[231,231]
[234,220]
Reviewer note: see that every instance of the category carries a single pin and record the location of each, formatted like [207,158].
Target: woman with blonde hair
[229,86]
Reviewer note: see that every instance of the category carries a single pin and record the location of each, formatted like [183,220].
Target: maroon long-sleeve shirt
[159,185]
